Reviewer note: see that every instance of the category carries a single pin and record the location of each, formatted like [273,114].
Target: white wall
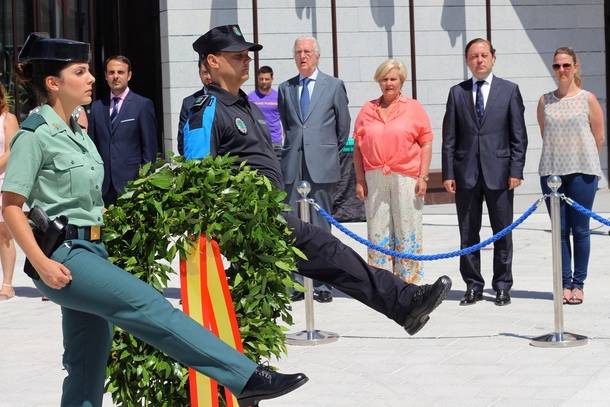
[525,33]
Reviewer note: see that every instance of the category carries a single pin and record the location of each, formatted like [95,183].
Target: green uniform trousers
[101,295]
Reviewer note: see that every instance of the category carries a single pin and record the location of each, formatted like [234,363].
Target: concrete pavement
[466,356]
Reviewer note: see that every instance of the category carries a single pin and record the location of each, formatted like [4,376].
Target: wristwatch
[425,177]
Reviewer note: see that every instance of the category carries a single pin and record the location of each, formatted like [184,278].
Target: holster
[48,240]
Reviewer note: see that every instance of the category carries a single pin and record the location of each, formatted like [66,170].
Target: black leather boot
[266,384]
[424,301]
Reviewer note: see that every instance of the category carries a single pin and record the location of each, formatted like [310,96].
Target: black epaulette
[32,122]
[199,103]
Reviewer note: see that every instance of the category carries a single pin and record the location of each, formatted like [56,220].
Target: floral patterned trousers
[394,221]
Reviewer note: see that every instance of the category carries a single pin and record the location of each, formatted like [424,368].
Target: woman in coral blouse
[392,159]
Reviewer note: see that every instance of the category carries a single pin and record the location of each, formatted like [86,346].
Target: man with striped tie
[123,127]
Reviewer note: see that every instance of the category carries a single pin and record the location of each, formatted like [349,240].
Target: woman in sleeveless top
[572,127]
[8,128]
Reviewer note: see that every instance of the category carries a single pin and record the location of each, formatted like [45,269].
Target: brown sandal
[577,296]
[567,295]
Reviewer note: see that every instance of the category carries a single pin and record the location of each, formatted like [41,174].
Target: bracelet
[424,177]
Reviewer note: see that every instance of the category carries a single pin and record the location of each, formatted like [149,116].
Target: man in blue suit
[483,154]
[124,129]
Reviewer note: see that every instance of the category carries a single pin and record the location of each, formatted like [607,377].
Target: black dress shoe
[502,297]
[471,296]
[266,384]
[323,296]
[297,296]
[424,301]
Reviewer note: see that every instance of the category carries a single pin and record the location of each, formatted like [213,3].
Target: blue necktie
[480,105]
[305,98]
[115,108]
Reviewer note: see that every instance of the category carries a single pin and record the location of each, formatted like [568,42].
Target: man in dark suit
[188,101]
[314,111]
[124,129]
[483,154]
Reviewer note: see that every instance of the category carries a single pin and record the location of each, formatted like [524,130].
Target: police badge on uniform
[200,100]
[241,126]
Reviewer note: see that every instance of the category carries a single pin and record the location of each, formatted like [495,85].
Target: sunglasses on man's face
[564,66]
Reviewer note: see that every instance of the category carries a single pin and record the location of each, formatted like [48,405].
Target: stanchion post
[554,183]
[310,336]
[559,338]
[303,189]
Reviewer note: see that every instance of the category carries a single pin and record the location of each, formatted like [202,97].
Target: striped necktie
[115,108]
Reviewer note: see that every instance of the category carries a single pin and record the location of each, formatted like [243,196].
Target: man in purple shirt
[265,99]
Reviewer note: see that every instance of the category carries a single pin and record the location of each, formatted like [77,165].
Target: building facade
[428,36]
[354,35]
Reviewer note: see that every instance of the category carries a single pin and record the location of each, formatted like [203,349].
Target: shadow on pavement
[454,295]
[29,292]
[490,295]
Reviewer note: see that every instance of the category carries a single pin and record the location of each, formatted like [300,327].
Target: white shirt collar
[121,96]
[487,80]
[313,76]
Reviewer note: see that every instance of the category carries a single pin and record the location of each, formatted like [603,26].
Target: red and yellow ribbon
[206,298]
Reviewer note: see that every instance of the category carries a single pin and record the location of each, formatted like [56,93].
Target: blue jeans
[581,188]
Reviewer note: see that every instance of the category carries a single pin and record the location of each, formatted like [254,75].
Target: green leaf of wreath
[155,219]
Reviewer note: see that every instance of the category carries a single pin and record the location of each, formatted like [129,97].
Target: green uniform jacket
[56,168]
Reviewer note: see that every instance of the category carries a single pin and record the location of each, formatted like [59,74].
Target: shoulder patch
[32,122]
[199,102]
[198,139]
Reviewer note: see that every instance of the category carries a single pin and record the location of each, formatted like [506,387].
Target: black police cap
[224,38]
[38,47]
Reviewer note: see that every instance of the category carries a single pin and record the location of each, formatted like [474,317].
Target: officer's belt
[91,233]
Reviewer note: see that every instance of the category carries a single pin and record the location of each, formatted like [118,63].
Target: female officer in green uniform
[55,165]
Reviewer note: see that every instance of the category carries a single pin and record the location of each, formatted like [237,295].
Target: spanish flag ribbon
[206,298]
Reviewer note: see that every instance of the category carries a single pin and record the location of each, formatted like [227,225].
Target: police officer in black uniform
[225,122]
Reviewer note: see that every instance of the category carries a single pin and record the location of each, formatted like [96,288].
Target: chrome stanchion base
[311,338]
[554,340]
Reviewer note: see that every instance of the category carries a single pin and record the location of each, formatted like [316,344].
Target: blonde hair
[387,66]
[570,52]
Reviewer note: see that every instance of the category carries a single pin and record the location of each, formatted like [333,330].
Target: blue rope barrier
[430,257]
[585,211]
